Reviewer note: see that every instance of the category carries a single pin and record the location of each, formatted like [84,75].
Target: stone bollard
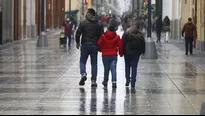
[203,108]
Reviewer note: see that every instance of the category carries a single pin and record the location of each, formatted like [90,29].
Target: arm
[144,47]
[101,29]
[75,24]
[78,34]
[99,44]
[183,30]
[124,38]
[120,46]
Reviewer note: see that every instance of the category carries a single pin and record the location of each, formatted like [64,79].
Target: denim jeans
[189,44]
[110,63]
[131,62]
[86,51]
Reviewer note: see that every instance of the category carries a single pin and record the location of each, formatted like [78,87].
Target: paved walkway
[45,81]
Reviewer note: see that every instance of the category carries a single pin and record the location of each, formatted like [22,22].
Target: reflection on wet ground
[45,81]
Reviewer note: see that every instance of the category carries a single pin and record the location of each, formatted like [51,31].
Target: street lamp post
[150,51]
[149,29]
[138,8]
[82,7]
[96,6]
[69,7]
[42,40]
[133,6]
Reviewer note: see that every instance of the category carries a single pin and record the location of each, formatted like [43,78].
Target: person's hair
[92,11]
[111,28]
[190,19]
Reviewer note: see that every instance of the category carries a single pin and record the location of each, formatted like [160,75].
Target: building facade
[6,22]
[195,10]
[200,16]
[104,7]
[21,19]
[77,7]
[138,6]
[172,9]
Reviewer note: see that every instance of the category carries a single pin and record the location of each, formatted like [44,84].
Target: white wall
[28,12]
[167,8]
[172,8]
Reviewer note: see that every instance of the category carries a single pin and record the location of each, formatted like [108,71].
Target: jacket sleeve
[99,44]
[101,29]
[183,30]
[78,34]
[143,47]
[120,46]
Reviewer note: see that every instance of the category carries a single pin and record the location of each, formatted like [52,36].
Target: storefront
[200,43]
[6,21]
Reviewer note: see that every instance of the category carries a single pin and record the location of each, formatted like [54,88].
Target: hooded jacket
[90,29]
[110,43]
[127,51]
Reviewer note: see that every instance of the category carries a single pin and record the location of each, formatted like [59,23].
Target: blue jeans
[110,63]
[131,62]
[86,51]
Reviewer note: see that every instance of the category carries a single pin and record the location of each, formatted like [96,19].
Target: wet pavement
[45,81]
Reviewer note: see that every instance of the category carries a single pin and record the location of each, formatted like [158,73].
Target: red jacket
[110,43]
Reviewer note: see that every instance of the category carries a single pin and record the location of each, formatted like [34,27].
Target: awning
[71,12]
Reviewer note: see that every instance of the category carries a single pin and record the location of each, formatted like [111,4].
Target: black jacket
[125,39]
[159,24]
[90,29]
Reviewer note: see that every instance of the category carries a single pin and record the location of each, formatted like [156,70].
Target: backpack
[135,41]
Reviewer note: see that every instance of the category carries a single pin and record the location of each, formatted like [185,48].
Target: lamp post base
[42,40]
[150,50]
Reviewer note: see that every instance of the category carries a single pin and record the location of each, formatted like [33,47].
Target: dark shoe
[114,85]
[104,84]
[82,81]
[127,84]
[94,84]
[186,54]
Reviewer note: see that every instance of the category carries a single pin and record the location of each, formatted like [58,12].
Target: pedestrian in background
[189,30]
[159,28]
[166,26]
[67,32]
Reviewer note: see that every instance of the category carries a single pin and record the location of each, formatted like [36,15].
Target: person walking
[109,44]
[189,30]
[159,28]
[91,30]
[67,32]
[134,47]
[166,25]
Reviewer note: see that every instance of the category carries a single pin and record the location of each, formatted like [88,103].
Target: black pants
[189,44]
[158,35]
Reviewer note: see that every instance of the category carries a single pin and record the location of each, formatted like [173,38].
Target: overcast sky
[123,5]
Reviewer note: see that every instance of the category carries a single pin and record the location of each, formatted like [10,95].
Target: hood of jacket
[109,35]
[92,19]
